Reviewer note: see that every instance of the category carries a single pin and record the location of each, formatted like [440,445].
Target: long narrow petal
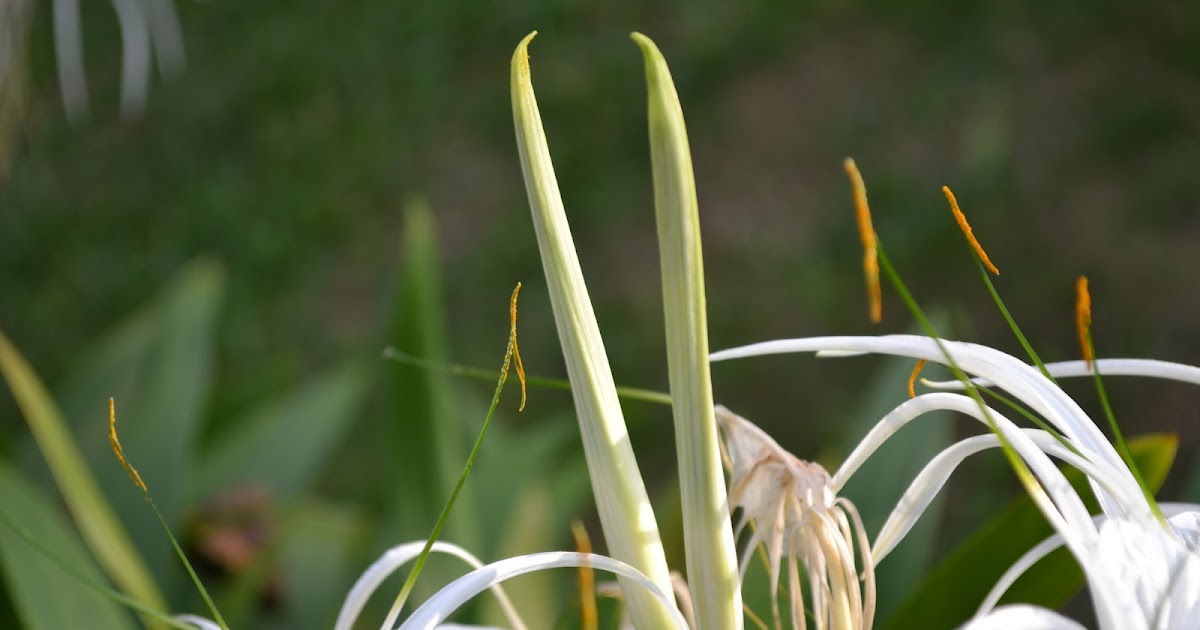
[708,540]
[393,559]
[1152,368]
[626,517]
[457,593]
[1006,371]
[933,477]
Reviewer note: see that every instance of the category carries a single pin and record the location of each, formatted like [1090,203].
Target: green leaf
[157,364]
[45,596]
[318,562]
[283,444]
[954,590]
[708,536]
[97,522]
[884,477]
[621,499]
[424,422]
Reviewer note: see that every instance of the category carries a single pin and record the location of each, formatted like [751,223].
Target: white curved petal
[933,477]
[1186,523]
[457,593]
[393,559]
[198,621]
[1021,616]
[1161,576]
[1151,368]
[1022,381]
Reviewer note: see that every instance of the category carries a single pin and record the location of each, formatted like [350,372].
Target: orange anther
[588,617]
[912,378]
[862,213]
[512,313]
[116,447]
[966,230]
[1083,319]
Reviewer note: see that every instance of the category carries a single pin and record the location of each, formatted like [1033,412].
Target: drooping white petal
[453,596]
[1151,368]
[935,474]
[393,559]
[1011,374]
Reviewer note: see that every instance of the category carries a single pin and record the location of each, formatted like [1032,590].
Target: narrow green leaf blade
[157,364]
[98,524]
[423,422]
[626,515]
[281,446]
[44,595]
[953,591]
[708,535]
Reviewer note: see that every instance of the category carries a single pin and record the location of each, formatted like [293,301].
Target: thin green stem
[1118,436]
[1022,471]
[1008,318]
[468,371]
[411,580]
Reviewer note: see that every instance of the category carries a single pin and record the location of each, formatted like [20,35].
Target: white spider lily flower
[796,515]
[1141,573]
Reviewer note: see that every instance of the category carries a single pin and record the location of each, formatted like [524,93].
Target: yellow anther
[120,452]
[512,313]
[966,230]
[588,618]
[1083,319]
[912,378]
[862,212]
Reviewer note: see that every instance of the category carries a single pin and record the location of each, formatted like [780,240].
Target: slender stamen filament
[967,232]
[866,233]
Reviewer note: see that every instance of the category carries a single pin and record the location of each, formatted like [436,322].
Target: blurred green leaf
[423,423]
[536,483]
[157,365]
[44,595]
[952,592]
[883,479]
[283,444]
[318,562]
[92,513]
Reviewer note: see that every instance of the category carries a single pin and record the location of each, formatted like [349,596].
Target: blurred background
[324,179]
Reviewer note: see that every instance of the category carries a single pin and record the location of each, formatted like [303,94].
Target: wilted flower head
[796,516]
